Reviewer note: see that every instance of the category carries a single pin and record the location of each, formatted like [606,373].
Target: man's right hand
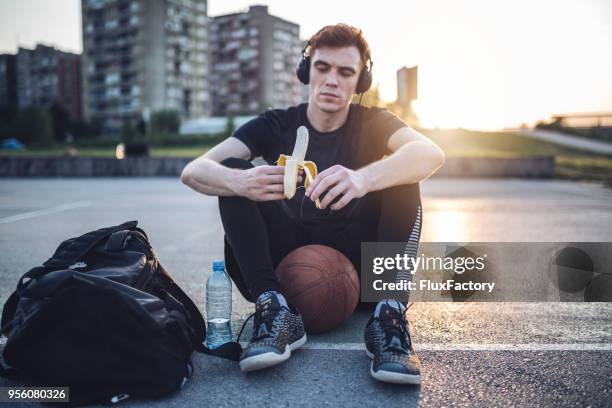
[262,183]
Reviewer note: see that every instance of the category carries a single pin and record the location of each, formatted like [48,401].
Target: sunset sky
[482,64]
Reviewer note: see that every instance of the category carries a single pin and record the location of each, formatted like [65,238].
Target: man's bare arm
[414,159]
[207,176]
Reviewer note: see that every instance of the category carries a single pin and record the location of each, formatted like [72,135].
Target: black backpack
[103,317]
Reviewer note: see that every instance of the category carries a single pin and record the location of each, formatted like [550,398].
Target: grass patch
[584,168]
[462,142]
[570,163]
[178,151]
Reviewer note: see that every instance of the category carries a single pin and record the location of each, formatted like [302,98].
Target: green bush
[230,125]
[6,130]
[129,132]
[176,140]
[34,127]
[62,122]
[163,122]
[7,121]
[101,142]
[166,140]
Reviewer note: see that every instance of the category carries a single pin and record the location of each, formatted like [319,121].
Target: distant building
[254,56]
[407,92]
[143,56]
[407,81]
[8,82]
[46,75]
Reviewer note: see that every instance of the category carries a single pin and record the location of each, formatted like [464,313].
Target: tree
[62,123]
[34,126]
[165,122]
[96,127]
[6,125]
[8,115]
[87,130]
[128,132]
[230,126]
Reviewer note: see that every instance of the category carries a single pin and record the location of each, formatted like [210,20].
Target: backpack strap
[229,350]
[117,240]
[9,373]
[30,275]
[10,307]
[8,312]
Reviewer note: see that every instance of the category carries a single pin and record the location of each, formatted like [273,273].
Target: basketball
[322,283]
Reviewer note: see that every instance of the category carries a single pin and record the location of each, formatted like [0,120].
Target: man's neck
[325,121]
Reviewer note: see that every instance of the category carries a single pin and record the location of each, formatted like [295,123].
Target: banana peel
[296,161]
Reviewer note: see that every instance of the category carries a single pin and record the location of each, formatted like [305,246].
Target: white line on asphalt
[475,346]
[46,211]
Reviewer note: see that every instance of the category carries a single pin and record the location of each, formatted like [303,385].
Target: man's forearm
[209,177]
[411,163]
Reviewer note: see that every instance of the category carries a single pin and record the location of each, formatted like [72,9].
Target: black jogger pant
[258,235]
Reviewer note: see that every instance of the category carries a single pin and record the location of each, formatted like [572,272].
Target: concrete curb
[92,167]
[520,167]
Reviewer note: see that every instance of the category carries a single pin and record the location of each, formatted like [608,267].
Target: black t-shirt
[361,140]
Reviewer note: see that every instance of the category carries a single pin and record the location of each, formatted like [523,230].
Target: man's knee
[400,213]
[403,201]
[235,163]
[403,192]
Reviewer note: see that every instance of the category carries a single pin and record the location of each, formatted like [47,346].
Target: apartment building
[8,82]
[45,75]
[254,56]
[142,56]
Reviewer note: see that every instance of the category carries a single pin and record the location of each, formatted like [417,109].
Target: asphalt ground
[483,354]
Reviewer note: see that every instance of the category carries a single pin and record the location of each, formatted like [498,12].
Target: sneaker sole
[266,360]
[391,376]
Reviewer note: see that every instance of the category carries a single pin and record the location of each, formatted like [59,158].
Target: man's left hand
[337,181]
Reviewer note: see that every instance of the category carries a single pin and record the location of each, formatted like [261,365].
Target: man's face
[333,77]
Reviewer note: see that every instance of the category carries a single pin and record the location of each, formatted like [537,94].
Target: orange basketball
[322,283]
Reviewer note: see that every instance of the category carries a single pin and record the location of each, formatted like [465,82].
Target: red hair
[341,35]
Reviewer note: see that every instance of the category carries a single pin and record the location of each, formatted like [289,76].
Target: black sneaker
[389,346]
[278,329]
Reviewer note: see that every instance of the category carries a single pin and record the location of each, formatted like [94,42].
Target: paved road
[594,146]
[487,354]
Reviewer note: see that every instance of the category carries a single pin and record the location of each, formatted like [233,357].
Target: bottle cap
[218,265]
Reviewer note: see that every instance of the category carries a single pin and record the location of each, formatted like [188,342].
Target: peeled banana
[295,162]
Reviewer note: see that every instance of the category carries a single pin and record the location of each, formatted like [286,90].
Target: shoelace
[395,332]
[264,322]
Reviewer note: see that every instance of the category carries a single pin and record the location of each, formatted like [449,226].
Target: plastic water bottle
[218,306]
